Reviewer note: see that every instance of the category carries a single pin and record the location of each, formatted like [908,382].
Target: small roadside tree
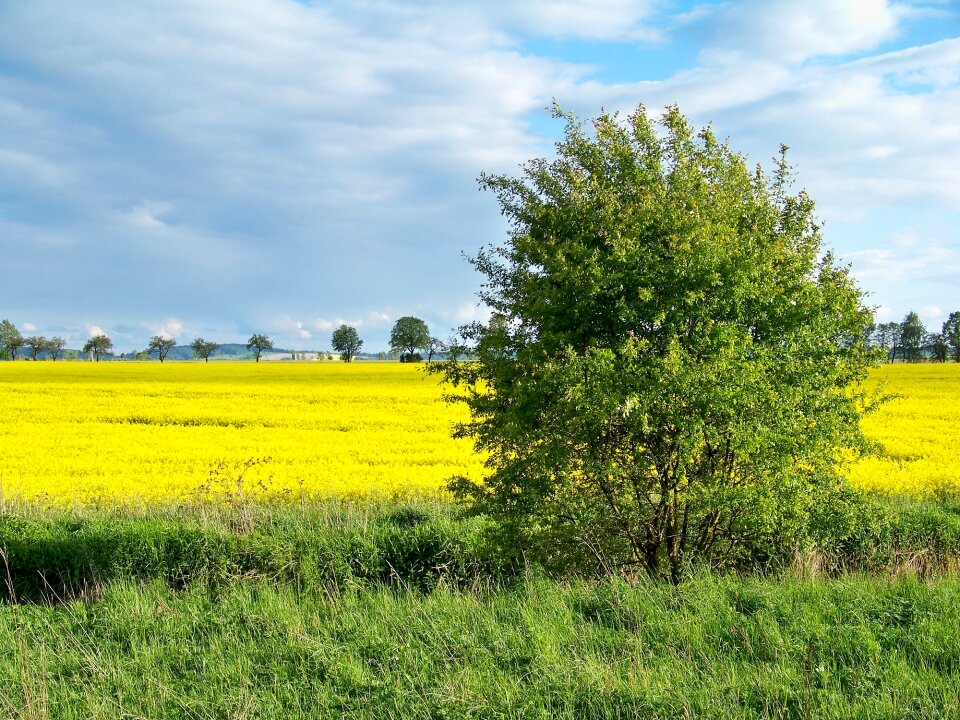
[951,333]
[347,342]
[10,339]
[204,348]
[408,335]
[37,344]
[672,363]
[98,345]
[257,344]
[55,346]
[161,346]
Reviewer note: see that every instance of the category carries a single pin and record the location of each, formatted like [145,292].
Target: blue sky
[221,168]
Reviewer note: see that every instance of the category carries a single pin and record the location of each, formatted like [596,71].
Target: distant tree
[409,334]
[55,346]
[347,342]
[37,344]
[204,348]
[433,347]
[259,343]
[936,344]
[912,333]
[161,346]
[886,337]
[951,333]
[98,345]
[455,347]
[10,340]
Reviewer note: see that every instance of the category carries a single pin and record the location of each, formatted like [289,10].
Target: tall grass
[853,647]
[340,609]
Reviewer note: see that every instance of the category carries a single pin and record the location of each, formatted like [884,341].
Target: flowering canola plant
[919,430]
[128,433]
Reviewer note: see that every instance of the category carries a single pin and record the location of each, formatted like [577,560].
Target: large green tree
[672,362]
[346,341]
[408,335]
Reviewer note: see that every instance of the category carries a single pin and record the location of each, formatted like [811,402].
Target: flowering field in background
[919,429]
[140,433]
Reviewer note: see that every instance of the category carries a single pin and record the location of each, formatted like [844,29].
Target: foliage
[55,346]
[204,348]
[10,340]
[951,332]
[408,335]
[259,343]
[161,346]
[672,363]
[938,347]
[886,338]
[912,334]
[98,345]
[37,344]
[347,342]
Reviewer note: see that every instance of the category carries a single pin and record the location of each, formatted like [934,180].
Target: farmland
[139,434]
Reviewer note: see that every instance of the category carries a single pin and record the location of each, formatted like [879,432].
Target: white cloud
[895,265]
[29,327]
[148,214]
[794,32]
[932,314]
[95,330]
[169,328]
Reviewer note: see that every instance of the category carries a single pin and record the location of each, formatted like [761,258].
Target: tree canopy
[408,335]
[672,363]
[258,343]
[204,348]
[347,342]
[98,345]
[10,340]
[161,346]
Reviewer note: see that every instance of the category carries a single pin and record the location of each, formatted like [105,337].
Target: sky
[221,168]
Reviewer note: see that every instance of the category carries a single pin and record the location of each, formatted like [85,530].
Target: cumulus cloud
[169,328]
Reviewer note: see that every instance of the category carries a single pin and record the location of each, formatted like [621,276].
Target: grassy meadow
[156,564]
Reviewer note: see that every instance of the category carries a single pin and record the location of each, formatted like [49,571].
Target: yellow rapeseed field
[141,433]
[919,429]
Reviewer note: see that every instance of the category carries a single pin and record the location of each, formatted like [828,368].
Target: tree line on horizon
[410,340]
[910,340]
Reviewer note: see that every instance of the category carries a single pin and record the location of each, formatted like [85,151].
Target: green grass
[854,647]
[385,610]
